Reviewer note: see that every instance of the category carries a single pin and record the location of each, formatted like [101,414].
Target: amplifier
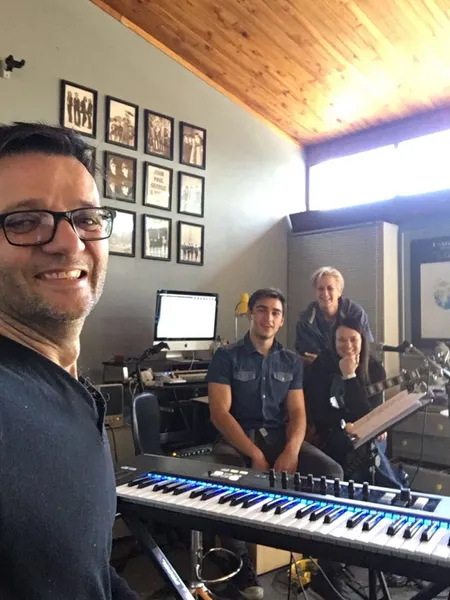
[113,394]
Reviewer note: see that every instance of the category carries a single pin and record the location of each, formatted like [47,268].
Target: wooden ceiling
[315,69]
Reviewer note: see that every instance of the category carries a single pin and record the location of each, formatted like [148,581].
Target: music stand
[365,431]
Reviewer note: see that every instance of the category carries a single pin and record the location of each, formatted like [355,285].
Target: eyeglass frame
[58,216]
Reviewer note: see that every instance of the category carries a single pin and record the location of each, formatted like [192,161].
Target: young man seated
[256,403]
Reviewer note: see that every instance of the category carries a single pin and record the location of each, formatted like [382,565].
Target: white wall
[254,177]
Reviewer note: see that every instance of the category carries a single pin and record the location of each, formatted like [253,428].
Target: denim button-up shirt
[259,384]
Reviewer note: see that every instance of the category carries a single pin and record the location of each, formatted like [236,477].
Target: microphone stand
[439,368]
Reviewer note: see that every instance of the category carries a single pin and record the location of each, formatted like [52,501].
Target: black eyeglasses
[38,227]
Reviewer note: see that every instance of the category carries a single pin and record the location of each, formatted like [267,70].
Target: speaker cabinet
[113,394]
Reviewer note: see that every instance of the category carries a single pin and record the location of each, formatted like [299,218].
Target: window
[423,164]
[351,180]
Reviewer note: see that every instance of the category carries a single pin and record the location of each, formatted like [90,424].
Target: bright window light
[423,164]
[360,178]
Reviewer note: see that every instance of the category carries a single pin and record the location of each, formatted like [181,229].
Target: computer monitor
[187,321]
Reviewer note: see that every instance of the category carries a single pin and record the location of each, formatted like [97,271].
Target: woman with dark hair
[336,396]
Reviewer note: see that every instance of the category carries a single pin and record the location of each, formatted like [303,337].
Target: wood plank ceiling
[315,69]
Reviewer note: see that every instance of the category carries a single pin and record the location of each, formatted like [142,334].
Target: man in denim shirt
[256,402]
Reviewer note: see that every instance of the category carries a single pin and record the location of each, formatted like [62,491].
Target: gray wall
[254,177]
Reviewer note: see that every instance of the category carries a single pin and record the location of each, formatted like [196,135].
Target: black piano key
[334,514]
[285,507]
[412,529]
[186,487]
[272,504]
[138,480]
[302,512]
[228,497]
[320,512]
[249,502]
[396,526]
[171,487]
[357,518]
[241,498]
[371,521]
[211,493]
[428,533]
[199,491]
[160,485]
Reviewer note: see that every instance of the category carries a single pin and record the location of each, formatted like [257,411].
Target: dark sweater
[323,382]
[57,492]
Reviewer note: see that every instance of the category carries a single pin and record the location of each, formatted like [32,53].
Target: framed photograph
[123,238]
[121,126]
[192,145]
[120,177]
[93,156]
[159,132]
[191,194]
[156,237]
[190,249]
[430,291]
[78,108]
[157,186]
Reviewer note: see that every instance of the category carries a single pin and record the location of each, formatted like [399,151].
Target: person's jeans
[311,460]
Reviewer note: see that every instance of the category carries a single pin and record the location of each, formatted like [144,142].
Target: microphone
[401,348]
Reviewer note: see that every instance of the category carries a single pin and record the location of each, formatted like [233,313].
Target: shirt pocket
[283,377]
[245,376]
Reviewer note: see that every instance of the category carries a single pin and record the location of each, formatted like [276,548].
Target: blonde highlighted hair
[328,272]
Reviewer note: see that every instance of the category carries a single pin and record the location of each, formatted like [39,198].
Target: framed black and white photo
[158,186]
[430,291]
[78,108]
[156,237]
[120,177]
[192,145]
[123,238]
[191,194]
[159,132]
[190,250]
[121,126]
[93,161]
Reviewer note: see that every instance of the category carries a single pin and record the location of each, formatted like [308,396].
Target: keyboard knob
[351,488]
[365,491]
[337,487]
[310,482]
[272,477]
[323,485]
[297,481]
[405,495]
[284,480]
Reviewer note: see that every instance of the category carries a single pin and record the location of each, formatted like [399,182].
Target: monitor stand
[174,355]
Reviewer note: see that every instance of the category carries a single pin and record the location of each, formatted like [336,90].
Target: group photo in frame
[159,134]
[190,243]
[191,194]
[78,108]
[430,291]
[156,237]
[119,177]
[192,145]
[123,237]
[158,182]
[121,123]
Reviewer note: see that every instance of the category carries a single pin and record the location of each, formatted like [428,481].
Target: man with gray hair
[316,323]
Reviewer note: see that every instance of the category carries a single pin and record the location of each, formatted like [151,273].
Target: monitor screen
[185,316]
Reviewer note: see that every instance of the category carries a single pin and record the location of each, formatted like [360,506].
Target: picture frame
[192,145]
[430,291]
[191,194]
[159,131]
[119,179]
[78,108]
[93,163]
[190,244]
[121,123]
[158,185]
[123,238]
[156,237]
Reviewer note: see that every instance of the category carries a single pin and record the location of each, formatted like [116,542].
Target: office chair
[145,425]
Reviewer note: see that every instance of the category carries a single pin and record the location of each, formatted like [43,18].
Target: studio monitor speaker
[113,394]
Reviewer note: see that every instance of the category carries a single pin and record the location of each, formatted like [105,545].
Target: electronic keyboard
[398,531]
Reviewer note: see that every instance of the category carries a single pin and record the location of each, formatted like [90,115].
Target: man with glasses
[57,489]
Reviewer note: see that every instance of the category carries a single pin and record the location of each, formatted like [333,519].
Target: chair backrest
[145,424]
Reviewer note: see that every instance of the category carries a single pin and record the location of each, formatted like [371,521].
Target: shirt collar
[250,348]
